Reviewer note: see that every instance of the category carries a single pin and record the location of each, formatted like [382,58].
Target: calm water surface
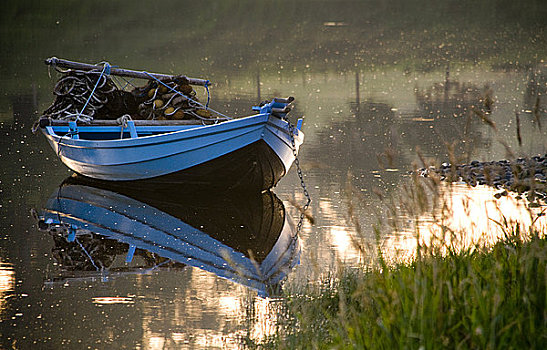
[366,120]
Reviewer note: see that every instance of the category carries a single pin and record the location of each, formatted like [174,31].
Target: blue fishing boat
[253,151]
[99,233]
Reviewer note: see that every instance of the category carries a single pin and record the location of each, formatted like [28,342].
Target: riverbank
[525,176]
[481,297]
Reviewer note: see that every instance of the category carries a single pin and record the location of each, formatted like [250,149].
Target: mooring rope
[87,254]
[123,122]
[106,70]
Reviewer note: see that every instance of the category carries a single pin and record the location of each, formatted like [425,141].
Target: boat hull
[253,151]
[255,167]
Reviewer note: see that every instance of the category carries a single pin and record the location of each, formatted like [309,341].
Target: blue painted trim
[132,129]
[267,108]
[73,130]
[58,130]
[71,234]
[130,253]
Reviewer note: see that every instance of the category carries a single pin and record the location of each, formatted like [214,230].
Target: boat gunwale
[165,155]
[153,139]
[88,144]
[298,138]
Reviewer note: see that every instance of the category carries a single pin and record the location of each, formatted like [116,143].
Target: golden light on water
[339,236]
[112,300]
[156,343]
[207,315]
[342,240]
[471,215]
[7,283]
[231,304]
[265,320]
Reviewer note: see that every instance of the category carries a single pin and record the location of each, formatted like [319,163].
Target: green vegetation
[485,298]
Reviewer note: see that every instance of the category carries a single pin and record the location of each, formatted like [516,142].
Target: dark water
[378,83]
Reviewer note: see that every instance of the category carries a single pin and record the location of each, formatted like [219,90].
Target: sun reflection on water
[342,240]
[7,284]
[209,315]
[471,216]
[265,320]
[112,300]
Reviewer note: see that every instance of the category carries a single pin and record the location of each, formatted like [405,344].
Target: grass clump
[481,297]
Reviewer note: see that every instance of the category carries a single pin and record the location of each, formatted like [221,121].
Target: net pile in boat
[88,95]
[73,98]
[170,100]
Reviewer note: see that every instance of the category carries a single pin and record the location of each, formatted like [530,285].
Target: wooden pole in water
[357,93]
[54,61]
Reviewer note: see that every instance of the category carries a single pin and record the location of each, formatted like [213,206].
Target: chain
[301,177]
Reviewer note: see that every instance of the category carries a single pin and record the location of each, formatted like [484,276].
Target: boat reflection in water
[99,232]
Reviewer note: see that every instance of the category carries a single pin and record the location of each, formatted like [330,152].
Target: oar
[59,62]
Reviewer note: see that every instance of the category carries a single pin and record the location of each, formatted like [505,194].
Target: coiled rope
[106,70]
[71,90]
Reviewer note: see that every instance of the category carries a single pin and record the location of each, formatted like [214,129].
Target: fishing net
[88,95]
